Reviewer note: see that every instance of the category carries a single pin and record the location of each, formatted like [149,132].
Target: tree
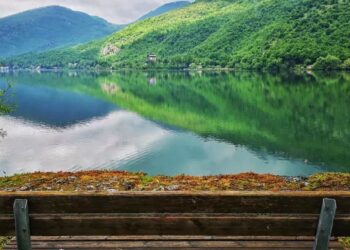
[4,108]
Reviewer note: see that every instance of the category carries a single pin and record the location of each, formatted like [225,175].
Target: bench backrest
[176,213]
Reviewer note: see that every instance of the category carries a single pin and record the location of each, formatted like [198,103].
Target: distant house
[151,58]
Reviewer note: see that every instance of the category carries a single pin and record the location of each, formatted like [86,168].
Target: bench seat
[175,220]
[169,243]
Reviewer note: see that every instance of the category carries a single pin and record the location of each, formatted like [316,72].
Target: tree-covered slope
[165,8]
[50,27]
[224,33]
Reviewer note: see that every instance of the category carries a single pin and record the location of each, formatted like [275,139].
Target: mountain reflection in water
[176,123]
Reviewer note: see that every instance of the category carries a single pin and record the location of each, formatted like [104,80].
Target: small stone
[60,181]
[25,188]
[296,179]
[112,190]
[160,188]
[128,185]
[72,178]
[172,188]
[90,187]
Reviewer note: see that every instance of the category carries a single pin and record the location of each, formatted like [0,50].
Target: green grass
[3,241]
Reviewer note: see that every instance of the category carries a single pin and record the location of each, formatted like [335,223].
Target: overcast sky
[115,11]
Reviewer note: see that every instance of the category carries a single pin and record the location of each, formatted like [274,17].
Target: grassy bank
[3,241]
[113,181]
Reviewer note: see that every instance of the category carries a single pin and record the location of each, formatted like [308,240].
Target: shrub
[327,63]
[346,64]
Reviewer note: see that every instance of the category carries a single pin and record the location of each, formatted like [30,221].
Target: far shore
[298,70]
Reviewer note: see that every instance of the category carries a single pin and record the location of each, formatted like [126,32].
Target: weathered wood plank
[325,225]
[176,224]
[178,202]
[20,209]
[173,238]
[175,244]
[179,244]
[175,248]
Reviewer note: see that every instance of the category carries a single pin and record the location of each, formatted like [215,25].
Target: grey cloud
[116,11]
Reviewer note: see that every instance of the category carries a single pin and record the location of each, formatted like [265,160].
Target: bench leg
[325,224]
[20,209]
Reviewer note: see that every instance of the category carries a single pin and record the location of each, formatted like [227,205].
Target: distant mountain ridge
[165,8]
[49,27]
[240,34]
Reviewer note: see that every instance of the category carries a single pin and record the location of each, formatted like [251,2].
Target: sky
[115,11]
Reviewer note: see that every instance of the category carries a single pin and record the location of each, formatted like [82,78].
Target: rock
[109,50]
[112,190]
[72,178]
[60,181]
[128,185]
[160,188]
[25,188]
[172,188]
[90,187]
[294,178]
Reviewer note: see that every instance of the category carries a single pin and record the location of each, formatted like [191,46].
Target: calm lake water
[176,122]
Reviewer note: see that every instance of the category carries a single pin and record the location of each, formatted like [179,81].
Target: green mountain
[49,27]
[165,8]
[250,34]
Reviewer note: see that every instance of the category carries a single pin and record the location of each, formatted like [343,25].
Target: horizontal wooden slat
[176,224]
[96,244]
[52,244]
[173,238]
[177,202]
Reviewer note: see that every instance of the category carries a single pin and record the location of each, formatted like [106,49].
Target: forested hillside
[251,34]
[49,27]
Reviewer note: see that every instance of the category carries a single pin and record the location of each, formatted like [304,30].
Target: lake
[169,123]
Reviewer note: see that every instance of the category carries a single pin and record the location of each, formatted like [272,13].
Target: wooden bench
[175,220]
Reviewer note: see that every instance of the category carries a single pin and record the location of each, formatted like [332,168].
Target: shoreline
[299,70]
[119,181]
